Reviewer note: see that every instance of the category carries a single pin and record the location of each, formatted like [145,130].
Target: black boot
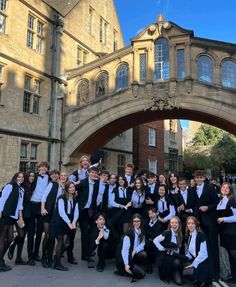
[3,266]
[58,265]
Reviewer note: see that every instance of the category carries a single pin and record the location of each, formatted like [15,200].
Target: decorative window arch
[161,59]
[228,74]
[122,76]
[101,85]
[83,91]
[205,69]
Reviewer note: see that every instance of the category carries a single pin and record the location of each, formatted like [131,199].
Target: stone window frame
[32,95]
[161,59]
[152,137]
[180,64]
[142,66]
[123,78]
[121,160]
[90,19]
[103,31]
[3,15]
[82,56]
[2,76]
[153,165]
[28,156]
[208,77]
[226,83]
[35,33]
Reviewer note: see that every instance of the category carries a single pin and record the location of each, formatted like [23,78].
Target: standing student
[99,236]
[151,190]
[153,228]
[48,204]
[226,213]
[173,189]
[162,179]
[199,268]
[205,211]
[107,198]
[129,174]
[131,257]
[36,220]
[66,217]
[21,232]
[138,197]
[11,206]
[169,243]
[121,203]
[165,206]
[102,197]
[87,195]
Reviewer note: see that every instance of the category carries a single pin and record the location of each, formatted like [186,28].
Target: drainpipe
[58,30]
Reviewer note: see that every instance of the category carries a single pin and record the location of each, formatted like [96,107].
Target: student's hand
[20,222]
[76,182]
[131,185]
[149,201]
[121,206]
[70,226]
[127,269]
[128,204]
[74,224]
[203,208]
[43,211]
[188,266]
[100,235]
[161,219]
[188,210]
[180,208]
[220,220]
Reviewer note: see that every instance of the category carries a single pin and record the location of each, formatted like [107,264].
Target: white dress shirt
[106,233]
[162,206]
[41,185]
[48,189]
[157,241]
[110,195]
[137,199]
[222,205]
[90,197]
[62,212]
[102,186]
[199,190]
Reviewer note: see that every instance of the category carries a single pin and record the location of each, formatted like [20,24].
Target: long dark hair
[142,184]
[14,178]
[130,231]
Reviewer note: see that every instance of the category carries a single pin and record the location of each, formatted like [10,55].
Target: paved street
[78,276]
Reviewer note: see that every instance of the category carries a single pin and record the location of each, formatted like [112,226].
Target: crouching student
[66,217]
[99,238]
[11,206]
[200,269]
[169,243]
[131,258]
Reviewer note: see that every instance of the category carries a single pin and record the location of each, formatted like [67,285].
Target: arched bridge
[166,72]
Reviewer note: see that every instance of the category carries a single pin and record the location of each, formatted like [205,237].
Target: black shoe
[4,267]
[84,258]
[90,263]
[45,263]
[11,250]
[20,261]
[37,258]
[60,267]
[230,280]
[73,261]
[99,268]
[31,262]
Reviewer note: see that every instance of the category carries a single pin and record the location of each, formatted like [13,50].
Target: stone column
[188,60]
[150,64]
[172,62]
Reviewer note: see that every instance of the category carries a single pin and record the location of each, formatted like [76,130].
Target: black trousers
[35,227]
[69,249]
[151,250]
[85,222]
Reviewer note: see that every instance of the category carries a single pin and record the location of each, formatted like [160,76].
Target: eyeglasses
[136,221]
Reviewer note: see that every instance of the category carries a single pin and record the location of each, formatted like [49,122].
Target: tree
[223,154]
[207,135]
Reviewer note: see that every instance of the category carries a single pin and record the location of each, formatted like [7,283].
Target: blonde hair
[81,159]
[179,231]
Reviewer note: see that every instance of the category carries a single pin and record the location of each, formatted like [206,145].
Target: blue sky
[213,19]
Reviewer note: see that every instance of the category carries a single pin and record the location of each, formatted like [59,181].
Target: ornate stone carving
[163,98]
[75,118]
[135,89]
[161,24]
[188,85]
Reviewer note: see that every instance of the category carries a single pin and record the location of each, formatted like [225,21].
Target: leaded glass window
[180,64]
[205,69]
[101,86]
[228,72]
[143,66]
[83,92]
[122,76]
[161,59]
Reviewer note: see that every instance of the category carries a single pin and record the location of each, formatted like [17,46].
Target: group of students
[141,221]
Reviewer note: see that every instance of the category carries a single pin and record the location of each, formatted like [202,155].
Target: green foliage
[194,159]
[207,135]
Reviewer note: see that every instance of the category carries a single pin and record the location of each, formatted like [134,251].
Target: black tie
[86,173]
[163,206]
[189,239]
[71,206]
[42,176]
[123,192]
[139,197]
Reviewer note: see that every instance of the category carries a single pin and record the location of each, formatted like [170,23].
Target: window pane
[28,83]
[143,66]
[180,64]
[31,22]
[26,102]
[90,24]
[101,85]
[39,44]
[121,159]
[101,30]
[23,151]
[2,23]
[79,56]
[36,104]
[152,136]
[153,166]
[161,59]
[23,166]
[205,69]
[37,86]
[40,28]
[3,5]
[33,155]
[228,71]
[30,37]
[105,33]
[33,166]
[122,77]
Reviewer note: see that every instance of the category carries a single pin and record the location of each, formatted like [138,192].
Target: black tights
[59,247]
[45,244]
[6,237]
[232,260]
[19,240]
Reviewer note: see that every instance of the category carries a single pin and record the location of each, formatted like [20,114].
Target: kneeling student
[98,239]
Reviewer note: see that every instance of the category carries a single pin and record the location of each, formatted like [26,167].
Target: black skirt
[228,241]
[6,220]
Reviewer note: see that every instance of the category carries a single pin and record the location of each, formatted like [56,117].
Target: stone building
[39,41]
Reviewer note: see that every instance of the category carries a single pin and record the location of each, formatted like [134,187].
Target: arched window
[161,59]
[205,69]
[83,92]
[228,74]
[101,85]
[122,77]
